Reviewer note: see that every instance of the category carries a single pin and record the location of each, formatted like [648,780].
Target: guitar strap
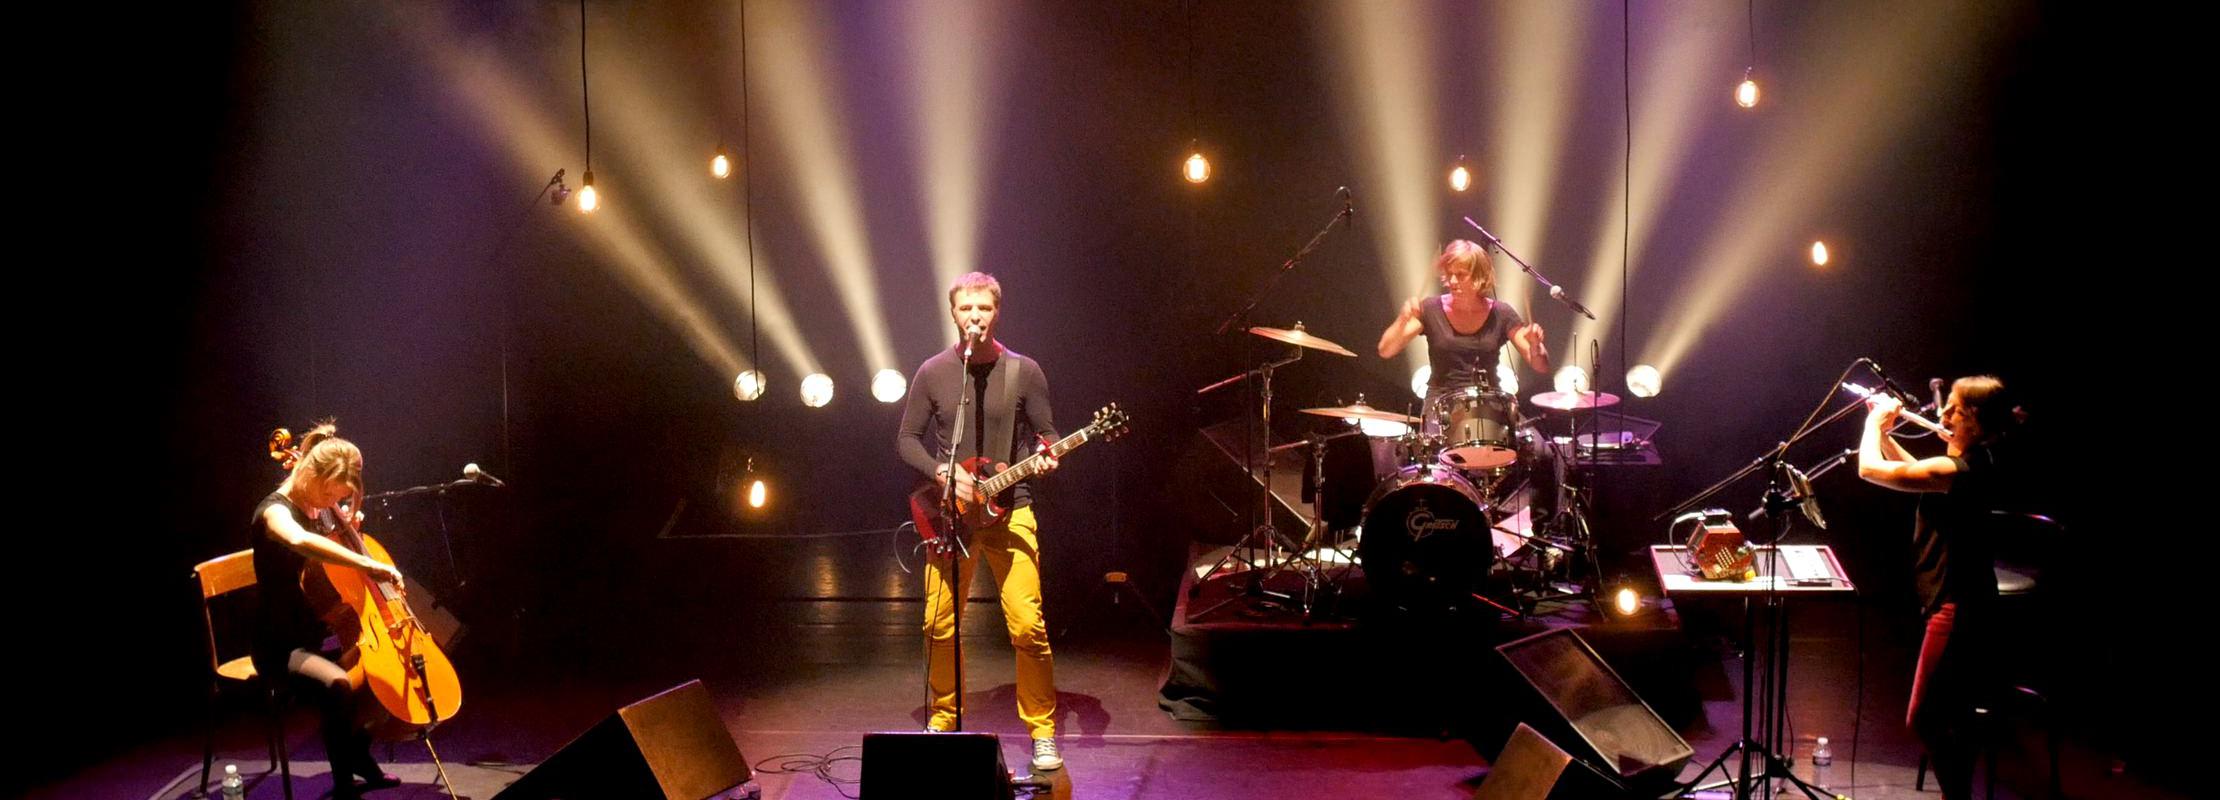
[1005,374]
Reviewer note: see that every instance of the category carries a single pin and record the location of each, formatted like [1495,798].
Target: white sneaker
[1045,757]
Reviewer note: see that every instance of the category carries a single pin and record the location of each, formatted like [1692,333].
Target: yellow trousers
[1013,552]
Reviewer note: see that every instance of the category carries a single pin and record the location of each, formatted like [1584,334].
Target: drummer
[1465,326]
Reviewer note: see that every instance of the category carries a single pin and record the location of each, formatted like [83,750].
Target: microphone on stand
[472,472]
[1898,391]
[1557,293]
[1800,487]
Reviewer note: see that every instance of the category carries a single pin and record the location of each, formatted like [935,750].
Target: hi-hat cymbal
[1568,401]
[1361,411]
[1301,338]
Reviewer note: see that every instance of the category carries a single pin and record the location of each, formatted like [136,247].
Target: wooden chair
[215,578]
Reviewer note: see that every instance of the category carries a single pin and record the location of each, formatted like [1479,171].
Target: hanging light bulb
[758,494]
[1819,254]
[588,199]
[1460,178]
[1746,92]
[1197,168]
[720,164]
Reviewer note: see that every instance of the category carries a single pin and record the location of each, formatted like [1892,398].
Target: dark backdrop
[277,212]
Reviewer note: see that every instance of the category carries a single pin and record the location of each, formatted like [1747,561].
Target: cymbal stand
[1317,575]
[1261,528]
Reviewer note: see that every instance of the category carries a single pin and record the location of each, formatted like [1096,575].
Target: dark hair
[1995,407]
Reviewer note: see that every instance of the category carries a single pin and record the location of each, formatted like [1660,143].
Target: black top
[1953,558]
[931,412]
[1464,359]
[284,622]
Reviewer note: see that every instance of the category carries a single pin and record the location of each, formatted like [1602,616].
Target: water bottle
[234,788]
[1821,754]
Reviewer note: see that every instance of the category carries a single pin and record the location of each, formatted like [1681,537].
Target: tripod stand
[1780,499]
[1261,529]
[1564,535]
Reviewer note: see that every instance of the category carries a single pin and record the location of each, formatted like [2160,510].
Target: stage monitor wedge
[1532,768]
[1592,714]
[671,746]
[958,766]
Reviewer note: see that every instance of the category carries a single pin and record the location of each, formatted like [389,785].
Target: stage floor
[811,676]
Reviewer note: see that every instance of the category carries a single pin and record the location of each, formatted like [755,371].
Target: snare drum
[1478,428]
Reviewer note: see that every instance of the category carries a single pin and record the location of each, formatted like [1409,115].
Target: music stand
[1774,587]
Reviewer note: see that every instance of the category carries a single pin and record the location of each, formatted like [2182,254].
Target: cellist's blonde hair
[329,458]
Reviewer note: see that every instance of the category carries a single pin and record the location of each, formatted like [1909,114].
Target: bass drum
[1426,543]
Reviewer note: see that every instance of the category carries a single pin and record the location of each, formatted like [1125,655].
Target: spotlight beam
[1895,67]
[1667,112]
[1384,60]
[652,139]
[811,137]
[1537,62]
[509,115]
[952,53]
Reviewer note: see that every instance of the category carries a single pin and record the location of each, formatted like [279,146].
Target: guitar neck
[1032,464]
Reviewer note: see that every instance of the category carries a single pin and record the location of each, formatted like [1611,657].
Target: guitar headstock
[1110,422]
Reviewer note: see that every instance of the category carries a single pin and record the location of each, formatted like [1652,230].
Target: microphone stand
[430,488]
[1556,292]
[1263,506]
[960,553]
[1779,501]
[508,461]
[446,540]
[1347,211]
[1770,456]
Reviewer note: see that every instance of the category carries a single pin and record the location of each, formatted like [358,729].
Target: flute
[1905,413]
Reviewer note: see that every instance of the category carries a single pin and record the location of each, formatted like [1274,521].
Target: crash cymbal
[1361,411]
[1569,401]
[1301,338]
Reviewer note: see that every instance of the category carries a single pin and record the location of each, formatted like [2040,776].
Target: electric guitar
[992,480]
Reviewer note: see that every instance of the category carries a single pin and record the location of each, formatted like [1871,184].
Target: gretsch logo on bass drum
[1422,523]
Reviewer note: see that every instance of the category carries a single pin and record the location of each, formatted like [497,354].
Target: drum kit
[1472,503]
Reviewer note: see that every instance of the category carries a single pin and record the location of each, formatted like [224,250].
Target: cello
[392,652]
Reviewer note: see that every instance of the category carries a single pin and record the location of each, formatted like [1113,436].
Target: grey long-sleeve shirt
[929,417]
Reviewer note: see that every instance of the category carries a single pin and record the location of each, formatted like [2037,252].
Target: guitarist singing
[1009,413]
